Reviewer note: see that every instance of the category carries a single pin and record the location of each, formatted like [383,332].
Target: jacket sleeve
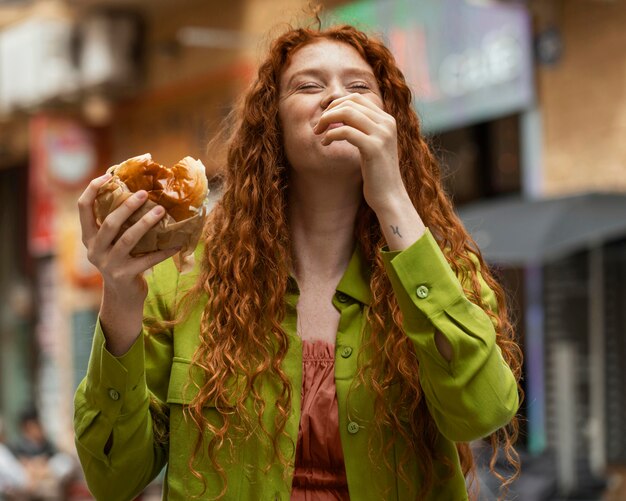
[475,393]
[119,406]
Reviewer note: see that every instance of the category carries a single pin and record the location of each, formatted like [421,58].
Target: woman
[340,337]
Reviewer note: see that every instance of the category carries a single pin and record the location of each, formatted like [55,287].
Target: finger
[375,114]
[358,101]
[112,224]
[129,239]
[359,118]
[357,98]
[85,206]
[354,136]
[140,264]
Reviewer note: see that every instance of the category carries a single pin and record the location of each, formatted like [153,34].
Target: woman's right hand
[125,289]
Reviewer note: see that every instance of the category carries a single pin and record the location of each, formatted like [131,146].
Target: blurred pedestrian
[341,336]
[47,469]
[32,441]
[13,476]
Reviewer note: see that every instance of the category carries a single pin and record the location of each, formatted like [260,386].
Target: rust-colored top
[320,474]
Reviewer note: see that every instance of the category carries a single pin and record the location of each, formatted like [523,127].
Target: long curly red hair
[248,256]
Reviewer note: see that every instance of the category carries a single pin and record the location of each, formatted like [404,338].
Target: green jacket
[469,397]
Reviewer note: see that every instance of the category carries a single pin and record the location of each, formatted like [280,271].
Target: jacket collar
[355,281]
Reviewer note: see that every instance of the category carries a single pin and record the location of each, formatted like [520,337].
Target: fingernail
[158,210]
[141,194]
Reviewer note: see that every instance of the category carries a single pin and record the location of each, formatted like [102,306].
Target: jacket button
[346,352]
[422,292]
[113,394]
[353,427]
[342,298]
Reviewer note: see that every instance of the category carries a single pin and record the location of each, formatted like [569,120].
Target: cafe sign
[466,61]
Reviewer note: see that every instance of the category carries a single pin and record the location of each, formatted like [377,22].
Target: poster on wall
[63,156]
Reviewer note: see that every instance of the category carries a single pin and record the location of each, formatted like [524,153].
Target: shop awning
[516,231]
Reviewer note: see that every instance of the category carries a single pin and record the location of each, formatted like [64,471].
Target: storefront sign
[465,61]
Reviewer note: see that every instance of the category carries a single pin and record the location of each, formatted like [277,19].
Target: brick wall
[583,97]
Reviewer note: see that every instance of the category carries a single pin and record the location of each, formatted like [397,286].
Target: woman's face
[319,73]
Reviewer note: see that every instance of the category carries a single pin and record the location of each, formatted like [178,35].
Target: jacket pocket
[182,483]
[181,389]
[186,380]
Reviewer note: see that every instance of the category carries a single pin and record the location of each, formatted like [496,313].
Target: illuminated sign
[465,61]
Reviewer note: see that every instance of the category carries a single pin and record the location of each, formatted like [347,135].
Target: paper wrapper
[166,234]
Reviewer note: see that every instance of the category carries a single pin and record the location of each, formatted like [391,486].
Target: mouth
[334,125]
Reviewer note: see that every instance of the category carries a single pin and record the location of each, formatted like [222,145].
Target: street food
[181,190]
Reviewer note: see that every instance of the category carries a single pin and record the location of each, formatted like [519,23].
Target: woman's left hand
[373,132]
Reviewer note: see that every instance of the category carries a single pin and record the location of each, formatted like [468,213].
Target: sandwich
[181,190]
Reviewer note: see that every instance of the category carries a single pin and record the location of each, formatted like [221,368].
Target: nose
[333,91]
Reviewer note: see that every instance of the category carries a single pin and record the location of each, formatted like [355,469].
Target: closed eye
[360,86]
[308,86]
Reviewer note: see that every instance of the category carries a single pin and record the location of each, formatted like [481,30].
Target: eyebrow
[317,72]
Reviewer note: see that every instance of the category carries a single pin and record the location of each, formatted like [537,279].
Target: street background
[524,103]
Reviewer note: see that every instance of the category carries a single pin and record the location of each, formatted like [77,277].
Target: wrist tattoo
[395,230]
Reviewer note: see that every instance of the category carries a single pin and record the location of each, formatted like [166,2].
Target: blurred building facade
[536,108]
[580,413]
[85,85]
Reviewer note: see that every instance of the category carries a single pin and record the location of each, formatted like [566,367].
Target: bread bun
[181,189]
